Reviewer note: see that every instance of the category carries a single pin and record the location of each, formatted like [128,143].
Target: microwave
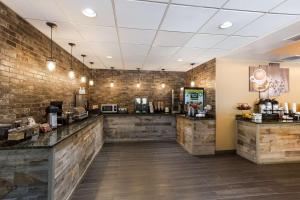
[109,108]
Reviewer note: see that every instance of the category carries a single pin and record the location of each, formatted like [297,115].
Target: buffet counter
[268,142]
[139,127]
[196,135]
[50,165]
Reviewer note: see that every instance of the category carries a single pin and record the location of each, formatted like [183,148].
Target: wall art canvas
[270,80]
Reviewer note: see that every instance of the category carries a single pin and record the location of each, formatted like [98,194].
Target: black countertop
[139,114]
[50,139]
[269,121]
[210,117]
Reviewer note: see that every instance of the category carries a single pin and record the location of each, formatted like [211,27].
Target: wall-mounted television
[194,96]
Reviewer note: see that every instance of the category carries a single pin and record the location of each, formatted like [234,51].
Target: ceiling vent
[294,38]
[291,58]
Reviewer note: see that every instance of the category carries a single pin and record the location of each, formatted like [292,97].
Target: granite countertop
[50,139]
[197,118]
[269,121]
[138,114]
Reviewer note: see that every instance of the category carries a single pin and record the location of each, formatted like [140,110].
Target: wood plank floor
[164,171]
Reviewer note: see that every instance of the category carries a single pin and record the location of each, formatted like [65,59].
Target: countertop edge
[16,147]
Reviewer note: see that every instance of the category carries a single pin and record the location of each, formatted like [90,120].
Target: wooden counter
[50,165]
[266,143]
[139,127]
[197,136]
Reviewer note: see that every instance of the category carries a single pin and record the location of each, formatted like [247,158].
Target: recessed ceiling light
[180,60]
[89,12]
[109,57]
[225,25]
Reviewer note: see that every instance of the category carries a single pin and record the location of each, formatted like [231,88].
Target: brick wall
[125,90]
[205,76]
[26,86]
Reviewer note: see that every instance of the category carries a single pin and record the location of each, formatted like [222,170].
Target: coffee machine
[51,112]
[141,105]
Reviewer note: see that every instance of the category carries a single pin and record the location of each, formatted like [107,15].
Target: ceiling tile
[207,3]
[98,33]
[268,24]
[233,42]
[205,40]
[64,30]
[104,49]
[73,10]
[134,55]
[290,7]
[130,50]
[253,5]
[188,54]
[43,10]
[136,36]
[215,52]
[166,38]
[158,51]
[238,18]
[139,14]
[186,18]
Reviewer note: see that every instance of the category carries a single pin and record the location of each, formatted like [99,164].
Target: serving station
[268,142]
[50,165]
[196,135]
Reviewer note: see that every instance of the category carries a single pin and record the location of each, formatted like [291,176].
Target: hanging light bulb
[192,83]
[193,78]
[163,85]
[71,71]
[71,74]
[112,83]
[83,77]
[91,82]
[138,85]
[50,62]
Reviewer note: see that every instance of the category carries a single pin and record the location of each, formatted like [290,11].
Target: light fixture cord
[71,58]
[51,43]
[83,64]
[139,74]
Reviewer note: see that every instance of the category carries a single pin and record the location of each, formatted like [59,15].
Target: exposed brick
[23,53]
[205,77]
[125,90]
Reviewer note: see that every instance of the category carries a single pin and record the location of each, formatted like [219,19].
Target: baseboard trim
[226,152]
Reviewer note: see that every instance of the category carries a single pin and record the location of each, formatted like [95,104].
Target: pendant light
[112,83]
[51,64]
[138,84]
[193,78]
[91,82]
[163,85]
[71,71]
[83,77]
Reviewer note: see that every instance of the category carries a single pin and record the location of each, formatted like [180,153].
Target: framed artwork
[270,80]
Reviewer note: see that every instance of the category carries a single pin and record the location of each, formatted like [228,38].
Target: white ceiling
[155,34]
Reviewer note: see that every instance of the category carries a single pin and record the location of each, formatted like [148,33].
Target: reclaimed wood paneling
[268,143]
[49,173]
[198,137]
[72,157]
[118,128]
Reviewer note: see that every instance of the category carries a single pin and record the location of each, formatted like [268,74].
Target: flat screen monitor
[194,96]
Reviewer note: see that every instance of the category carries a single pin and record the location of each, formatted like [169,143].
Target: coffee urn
[51,112]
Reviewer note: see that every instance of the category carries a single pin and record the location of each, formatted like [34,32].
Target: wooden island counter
[268,142]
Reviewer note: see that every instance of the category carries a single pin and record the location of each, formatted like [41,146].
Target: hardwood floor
[164,171]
